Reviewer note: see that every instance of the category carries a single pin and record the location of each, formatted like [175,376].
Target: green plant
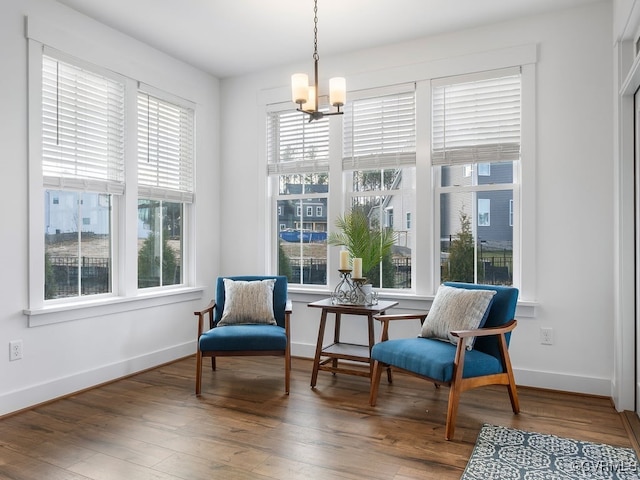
[284,264]
[461,253]
[149,263]
[50,286]
[363,241]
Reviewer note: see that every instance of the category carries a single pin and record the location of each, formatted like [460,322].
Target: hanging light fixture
[306,96]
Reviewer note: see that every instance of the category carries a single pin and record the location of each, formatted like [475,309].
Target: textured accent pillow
[248,302]
[456,309]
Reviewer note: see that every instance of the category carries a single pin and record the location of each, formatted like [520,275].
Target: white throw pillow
[248,302]
[456,309]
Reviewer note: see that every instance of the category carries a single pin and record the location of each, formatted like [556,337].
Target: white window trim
[125,295]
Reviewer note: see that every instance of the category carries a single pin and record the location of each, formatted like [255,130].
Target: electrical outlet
[15,350]
[546,336]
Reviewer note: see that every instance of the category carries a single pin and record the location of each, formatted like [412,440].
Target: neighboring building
[308,215]
[494,209]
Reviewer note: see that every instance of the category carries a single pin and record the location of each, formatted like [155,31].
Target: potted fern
[354,233]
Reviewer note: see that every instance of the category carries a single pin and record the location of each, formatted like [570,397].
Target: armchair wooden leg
[213,363]
[513,395]
[511,386]
[287,372]
[452,410]
[375,383]
[198,372]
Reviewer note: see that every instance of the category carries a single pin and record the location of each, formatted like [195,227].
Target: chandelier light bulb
[300,88]
[337,91]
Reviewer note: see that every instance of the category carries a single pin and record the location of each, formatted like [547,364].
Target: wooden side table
[327,357]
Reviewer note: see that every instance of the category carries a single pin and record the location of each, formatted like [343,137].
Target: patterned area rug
[505,453]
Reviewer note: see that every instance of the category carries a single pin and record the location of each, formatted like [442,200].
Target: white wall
[573,183]
[69,356]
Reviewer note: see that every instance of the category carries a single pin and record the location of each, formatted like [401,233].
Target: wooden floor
[152,426]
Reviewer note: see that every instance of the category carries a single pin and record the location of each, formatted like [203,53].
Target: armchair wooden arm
[485,332]
[201,313]
[385,319]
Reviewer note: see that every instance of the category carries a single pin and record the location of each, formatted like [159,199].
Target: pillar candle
[344,260]
[357,268]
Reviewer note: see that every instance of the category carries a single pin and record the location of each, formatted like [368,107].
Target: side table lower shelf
[342,357]
[345,351]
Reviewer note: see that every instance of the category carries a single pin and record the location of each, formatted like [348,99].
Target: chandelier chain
[315,31]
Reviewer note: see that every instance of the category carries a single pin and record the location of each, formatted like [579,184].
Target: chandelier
[306,96]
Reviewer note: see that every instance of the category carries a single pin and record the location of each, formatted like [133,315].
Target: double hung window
[298,168]
[165,188]
[83,176]
[379,157]
[476,145]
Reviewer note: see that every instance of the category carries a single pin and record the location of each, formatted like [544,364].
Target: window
[165,188]
[318,211]
[476,122]
[437,161]
[484,169]
[83,175]
[85,126]
[298,169]
[484,212]
[379,155]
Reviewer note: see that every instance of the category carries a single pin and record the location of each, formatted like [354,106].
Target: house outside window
[484,212]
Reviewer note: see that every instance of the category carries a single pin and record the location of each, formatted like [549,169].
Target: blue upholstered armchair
[250,316]
[460,366]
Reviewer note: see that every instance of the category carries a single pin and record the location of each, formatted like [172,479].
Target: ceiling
[235,37]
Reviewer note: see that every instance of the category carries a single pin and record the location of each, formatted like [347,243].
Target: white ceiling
[235,37]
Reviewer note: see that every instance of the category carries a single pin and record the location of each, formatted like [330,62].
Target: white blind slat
[82,128]
[295,145]
[165,149]
[476,121]
[380,132]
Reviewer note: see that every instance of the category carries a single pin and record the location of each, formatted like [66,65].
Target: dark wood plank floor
[152,426]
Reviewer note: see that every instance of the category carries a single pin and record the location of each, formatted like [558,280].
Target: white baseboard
[61,387]
[563,382]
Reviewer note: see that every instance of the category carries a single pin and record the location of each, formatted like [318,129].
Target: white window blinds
[165,149]
[476,118]
[295,145]
[82,129]
[380,132]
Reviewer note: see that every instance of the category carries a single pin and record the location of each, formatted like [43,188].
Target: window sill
[108,306]
[407,301]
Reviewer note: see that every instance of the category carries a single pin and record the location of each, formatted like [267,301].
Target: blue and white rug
[506,453]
